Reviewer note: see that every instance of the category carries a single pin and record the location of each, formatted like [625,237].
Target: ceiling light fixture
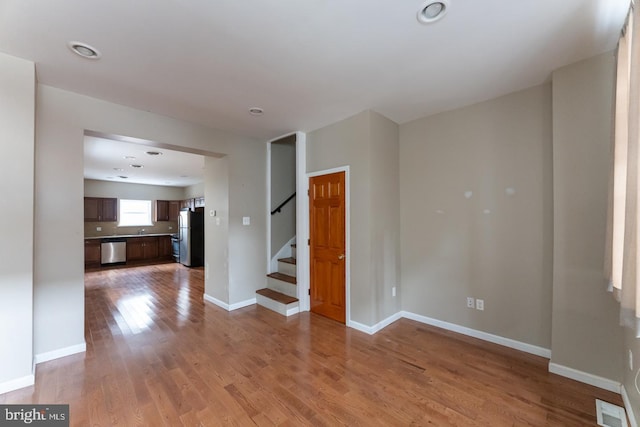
[123,177]
[256,111]
[129,158]
[136,166]
[118,169]
[154,153]
[433,11]
[84,50]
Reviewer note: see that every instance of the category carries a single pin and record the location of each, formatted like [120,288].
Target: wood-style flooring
[158,355]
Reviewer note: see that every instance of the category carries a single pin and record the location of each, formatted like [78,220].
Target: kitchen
[142,205]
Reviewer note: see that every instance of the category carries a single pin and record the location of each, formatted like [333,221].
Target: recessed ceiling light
[154,153]
[256,111]
[118,169]
[129,157]
[184,176]
[84,50]
[433,11]
[123,177]
[136,166]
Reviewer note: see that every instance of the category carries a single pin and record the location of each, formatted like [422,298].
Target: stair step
[278,302]
[293,245]
[276,296]
[290,260]
[283,277]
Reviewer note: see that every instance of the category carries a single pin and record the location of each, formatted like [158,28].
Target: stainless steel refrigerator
[191,227]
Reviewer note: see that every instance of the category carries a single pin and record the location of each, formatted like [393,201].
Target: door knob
[341,256]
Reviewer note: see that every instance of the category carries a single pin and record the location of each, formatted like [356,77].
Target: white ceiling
[172,168]
[307,63]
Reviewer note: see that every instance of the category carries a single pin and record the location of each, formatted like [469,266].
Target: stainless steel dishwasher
[113,251]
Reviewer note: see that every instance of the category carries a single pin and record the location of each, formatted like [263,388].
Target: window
[134,213]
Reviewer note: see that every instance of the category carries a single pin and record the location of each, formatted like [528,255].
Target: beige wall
[585,335]
[193,191]
[451,249]
[216,196]
[17,109]
[373,228]
[61,119]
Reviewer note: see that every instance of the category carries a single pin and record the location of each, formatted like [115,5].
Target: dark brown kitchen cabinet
[187,204]
[100,209]
[142,248]
[164,247]
[92,252]
[167,210]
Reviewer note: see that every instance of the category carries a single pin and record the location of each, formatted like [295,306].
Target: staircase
[281,293]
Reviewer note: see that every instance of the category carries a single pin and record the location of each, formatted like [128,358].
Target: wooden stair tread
[276,296]
[290,260]
[283,277]
[293,245]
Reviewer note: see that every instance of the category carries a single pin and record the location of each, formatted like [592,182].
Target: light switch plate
[246,220]
[479,304]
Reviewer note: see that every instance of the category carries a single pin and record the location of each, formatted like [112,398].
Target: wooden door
[327,245]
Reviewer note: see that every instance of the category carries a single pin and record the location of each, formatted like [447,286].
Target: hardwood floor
[158,355]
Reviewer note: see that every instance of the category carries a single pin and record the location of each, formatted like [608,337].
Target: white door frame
[347,237]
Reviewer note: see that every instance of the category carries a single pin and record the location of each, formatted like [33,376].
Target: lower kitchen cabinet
[92,252]
[165,250]
[142,248]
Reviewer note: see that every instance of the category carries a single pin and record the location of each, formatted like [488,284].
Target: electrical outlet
[630,360]
[479,304]
[393,291]
[170,228]
[471,302]
[98,228]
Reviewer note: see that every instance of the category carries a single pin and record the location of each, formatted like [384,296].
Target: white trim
[268,206]
[375,328]
[17,383]
[627,406]
[61,352]
[242,304]
[584,377]
[347,238]
[302,222]
[216,301]
[229,307]
[496,339]
[292,311]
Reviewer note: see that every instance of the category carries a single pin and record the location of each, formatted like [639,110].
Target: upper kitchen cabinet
[198,202]
[187,204]
[99,209]
[167,210]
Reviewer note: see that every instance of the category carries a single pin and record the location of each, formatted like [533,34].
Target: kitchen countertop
[121,236]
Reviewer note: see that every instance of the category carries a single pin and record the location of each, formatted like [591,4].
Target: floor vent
[610,415]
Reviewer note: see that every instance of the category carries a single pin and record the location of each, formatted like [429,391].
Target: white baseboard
[229,307]
[584,377]
[375,328]
[496,339]
[17,383]
[62,352]
[628,408]
[242,304]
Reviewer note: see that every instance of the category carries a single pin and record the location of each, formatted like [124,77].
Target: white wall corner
[375,328]
[628,408]
[229,307]
[61,352]
[18,383]
[216,301]
[485,336]
[584,377]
